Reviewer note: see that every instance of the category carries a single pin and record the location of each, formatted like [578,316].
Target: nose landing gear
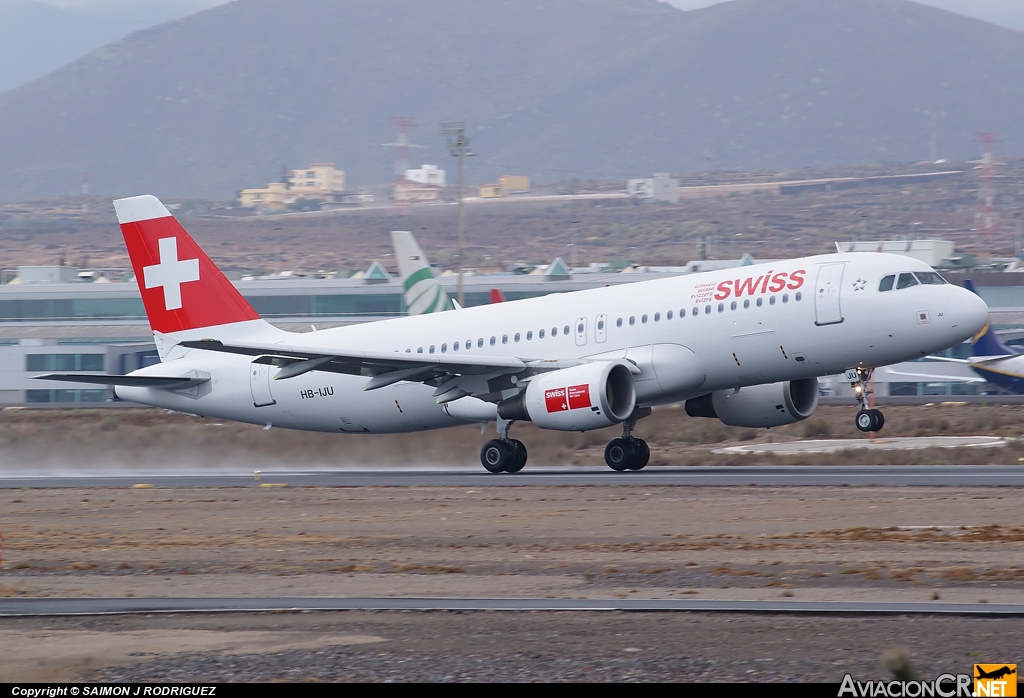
[503,455]
[868,418]
[628,452]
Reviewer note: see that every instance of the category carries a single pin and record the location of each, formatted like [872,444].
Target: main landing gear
[503,455]
[867,419]
[628,452]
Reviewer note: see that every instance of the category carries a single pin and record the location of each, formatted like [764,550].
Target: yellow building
[317,180]
[515,184]
[275,196]
[508,184]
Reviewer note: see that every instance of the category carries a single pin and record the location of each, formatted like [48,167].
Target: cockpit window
[886,283]
[929,278]
[906,280]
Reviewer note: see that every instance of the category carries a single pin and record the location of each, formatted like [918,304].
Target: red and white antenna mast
[402,145]
[985,218]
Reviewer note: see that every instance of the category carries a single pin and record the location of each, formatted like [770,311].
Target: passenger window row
[493,341]
[908,279]
[657,317]
[695,311]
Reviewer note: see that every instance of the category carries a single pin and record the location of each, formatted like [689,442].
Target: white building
[428,174]
[660,187]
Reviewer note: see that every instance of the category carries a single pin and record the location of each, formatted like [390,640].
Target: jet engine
[580,398]
[768,405]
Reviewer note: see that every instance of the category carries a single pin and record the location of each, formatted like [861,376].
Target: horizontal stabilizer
[159,382]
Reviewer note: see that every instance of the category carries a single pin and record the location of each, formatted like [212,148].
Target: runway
[94,606]
[766,476]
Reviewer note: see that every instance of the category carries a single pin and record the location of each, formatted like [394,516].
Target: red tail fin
[181,288]
[497,296]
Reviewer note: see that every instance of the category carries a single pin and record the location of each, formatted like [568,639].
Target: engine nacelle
[769,405]
[589,396]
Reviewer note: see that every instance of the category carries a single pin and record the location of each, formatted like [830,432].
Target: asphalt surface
[95,606]
[801,475]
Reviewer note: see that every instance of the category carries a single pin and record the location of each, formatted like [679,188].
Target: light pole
[458,145]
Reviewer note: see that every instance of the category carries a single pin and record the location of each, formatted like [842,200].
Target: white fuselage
[784,326]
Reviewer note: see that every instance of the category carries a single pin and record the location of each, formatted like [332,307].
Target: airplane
[995,673]
[993,361]
[742,345]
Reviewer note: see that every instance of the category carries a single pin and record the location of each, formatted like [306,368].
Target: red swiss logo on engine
[554,400]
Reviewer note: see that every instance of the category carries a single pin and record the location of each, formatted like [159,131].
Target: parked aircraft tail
[423,292]
[986,342]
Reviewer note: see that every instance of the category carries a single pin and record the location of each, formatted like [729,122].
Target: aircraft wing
[453,375]
[159,382]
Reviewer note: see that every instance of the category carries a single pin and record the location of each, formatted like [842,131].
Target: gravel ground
[595,646]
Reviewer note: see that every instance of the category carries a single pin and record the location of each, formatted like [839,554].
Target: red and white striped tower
[985,219]
[401,147]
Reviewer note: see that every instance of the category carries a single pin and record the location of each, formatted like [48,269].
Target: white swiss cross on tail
[171,273]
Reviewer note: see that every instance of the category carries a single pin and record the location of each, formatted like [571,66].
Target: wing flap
[158,382]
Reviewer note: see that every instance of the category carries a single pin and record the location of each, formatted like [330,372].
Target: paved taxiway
[804,475]
[94,606]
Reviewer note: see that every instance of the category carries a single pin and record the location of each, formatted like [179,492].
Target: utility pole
[458,145]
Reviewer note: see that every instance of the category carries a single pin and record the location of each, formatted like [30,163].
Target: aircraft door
[581,331]
[259,383]
[601,329]
[826,294]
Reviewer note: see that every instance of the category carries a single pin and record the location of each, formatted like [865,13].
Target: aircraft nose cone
[971,312]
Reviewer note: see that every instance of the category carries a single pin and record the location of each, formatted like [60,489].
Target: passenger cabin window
[504,339]
[600,326]
[565,330]
[643,318]
[906,280]
[632,319]
[886,283]
[444,348]
[618,323]
[540,335]
[431,348]
[516,338]
[480,342]
[668,315]
[493,340]
[529,335]
[721,307]
[746,303]
[657,317]
[929,278]
[455,347]
[732,306]
[695,311]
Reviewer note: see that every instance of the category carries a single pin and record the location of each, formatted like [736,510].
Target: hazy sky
[1009,13]
[1006,12]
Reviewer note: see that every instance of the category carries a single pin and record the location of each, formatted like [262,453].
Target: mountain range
[217,101]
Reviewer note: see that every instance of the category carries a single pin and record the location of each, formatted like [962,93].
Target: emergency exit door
[259,383]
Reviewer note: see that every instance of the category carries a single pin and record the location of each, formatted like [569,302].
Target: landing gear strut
[867,419]
[503,455]
[628,452]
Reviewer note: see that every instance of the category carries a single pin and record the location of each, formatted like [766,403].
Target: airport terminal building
[65,326]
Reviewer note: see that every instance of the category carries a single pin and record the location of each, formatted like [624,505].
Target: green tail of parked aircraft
[423,292]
